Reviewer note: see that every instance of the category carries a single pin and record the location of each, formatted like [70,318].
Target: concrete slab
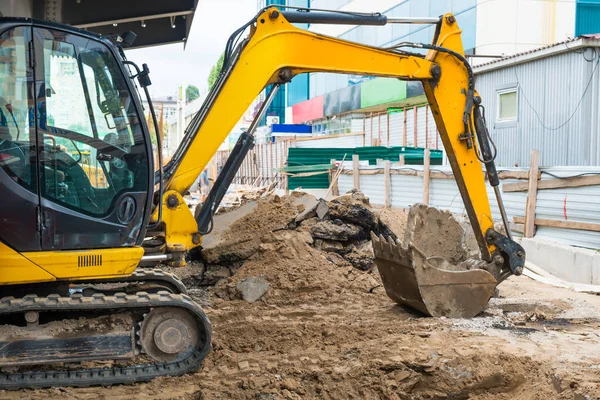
[573,264]
[222,222]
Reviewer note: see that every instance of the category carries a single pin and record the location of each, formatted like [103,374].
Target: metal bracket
[513,253]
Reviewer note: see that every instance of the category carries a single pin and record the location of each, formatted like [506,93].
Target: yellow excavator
[76,307]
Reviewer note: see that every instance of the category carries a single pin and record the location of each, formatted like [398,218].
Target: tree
[215,71]
[191,93]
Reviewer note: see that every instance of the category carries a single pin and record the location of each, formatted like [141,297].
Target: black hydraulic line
[483,139]
[485,147]
[334,18]
[143,76]
[205,216]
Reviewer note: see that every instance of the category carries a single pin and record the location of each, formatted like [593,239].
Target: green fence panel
[301,157]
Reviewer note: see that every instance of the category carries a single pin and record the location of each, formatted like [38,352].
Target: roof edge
[536,54]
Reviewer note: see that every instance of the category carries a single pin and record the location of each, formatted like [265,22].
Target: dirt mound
[298,244]
[296,271]
[325,329]
[241,230]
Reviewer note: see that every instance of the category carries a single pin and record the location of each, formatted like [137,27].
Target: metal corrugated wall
[551,87]
[571,204]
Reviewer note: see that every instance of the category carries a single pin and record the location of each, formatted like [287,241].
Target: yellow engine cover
[45,266]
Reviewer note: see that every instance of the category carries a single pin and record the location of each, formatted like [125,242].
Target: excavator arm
[275,51]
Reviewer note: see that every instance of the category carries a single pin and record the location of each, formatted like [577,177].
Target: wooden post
[416,135]
[404,129]
[388,129]
[272,161]
[243,171]
[387,184]
[402,162]
[379,128]
[427,125]
[426,176]
[281,175]
[356,171]
[371,133]
[532,194]
[335,191]
[285,154]
[364,129]
[251,155]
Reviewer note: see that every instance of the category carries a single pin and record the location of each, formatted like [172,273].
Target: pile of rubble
[343,226]
[289,232]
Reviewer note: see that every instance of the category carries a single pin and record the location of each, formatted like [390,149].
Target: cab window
[17,143]
[93,149]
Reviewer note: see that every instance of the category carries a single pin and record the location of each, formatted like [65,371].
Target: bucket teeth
[387,248]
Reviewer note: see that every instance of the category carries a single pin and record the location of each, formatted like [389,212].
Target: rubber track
[104,376]
[142,275]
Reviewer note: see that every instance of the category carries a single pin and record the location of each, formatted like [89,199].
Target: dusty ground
[327,330]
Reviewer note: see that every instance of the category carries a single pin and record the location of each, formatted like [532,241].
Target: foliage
[215,71]
[191,93]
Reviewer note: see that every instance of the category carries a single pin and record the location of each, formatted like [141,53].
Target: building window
[507,105]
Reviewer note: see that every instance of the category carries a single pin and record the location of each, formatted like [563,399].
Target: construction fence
[559,204]
[411,127]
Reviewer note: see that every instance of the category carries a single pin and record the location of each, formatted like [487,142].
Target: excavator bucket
[432,280]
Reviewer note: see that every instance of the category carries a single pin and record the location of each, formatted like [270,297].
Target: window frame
[507,122]
[92,138]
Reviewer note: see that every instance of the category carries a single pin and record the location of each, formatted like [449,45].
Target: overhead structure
[154,22]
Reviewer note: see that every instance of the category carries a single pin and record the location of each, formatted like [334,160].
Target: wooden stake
[404,129]
[285,153]
[281,165]
[333,186]
[532,195]
[427,125]
[378,129]
[402,162]
[388,129]
[271,172]
[364,127]
[426,176]
[356,171]
[258,165]
[371,133]
[387,184]
[416,136]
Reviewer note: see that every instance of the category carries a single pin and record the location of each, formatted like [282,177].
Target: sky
[171,65]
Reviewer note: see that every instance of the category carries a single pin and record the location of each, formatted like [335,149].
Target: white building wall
[506,27]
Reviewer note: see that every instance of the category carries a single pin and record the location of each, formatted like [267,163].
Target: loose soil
[327,330]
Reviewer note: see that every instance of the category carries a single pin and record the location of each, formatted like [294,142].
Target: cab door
[19,227]
[93,164]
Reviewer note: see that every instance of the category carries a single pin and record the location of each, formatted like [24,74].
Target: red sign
[308,110]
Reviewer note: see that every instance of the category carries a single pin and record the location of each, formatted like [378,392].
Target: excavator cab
[73,143]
